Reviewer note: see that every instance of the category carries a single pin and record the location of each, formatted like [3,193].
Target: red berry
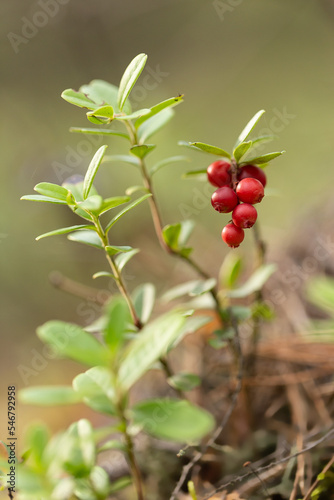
[244,215]
[232,235]
[253,172]
[218,173]
[250,190]
[224,200]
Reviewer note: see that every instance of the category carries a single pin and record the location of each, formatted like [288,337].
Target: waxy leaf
[241,150]
[170,419]
[114,202]
[207,148]
[64,230]
[78,99]
[96,388]
[129,78]
[49,395]
[200,175]
[154,124]
[122,259]
[134,189]
[261,160]
[142,150]
[249,127]
[132,160]
[92,170]
[125,210]
[152,343]
[113,250]
[103,92]
[134,115]
[86,237]
[118,321]
[143,300]
[45,199]
[104,112]
[52,190]
[192,288]
[98,131]
[230,270]
[92,203]
[103,274]
[71,341]
[158,108]
[254,283]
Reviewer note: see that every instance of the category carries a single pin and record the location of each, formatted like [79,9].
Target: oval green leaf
[129,78]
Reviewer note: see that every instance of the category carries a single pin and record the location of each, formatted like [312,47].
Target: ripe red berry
[253,172]
[218,173]
[250,190]
[232,235]
[224,200]
[244,215]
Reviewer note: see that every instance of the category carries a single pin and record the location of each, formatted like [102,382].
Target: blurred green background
[230,58]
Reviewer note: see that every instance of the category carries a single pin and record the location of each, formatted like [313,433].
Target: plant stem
[117,275]
[136,474]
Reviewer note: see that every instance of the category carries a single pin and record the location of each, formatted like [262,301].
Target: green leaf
[92,170]
[125,210]
[152,125]
[254,283]
[71,341]
[118,321]
[168,161]
[49,395]
[207,148]
[203,287]
[187,227]
[46,199]
[99,479]
[192,288]
[74,184]
[114,202]
[129,78]
[80,451]
[96,120]
[78,99]
[122,158]
[142,150]
[143,301]
[104,112]
[52,190]
[177,235]
[168,103]
[103,92]
[87,237]
[241,150]
[120,484]
[184,381]
[98,131]
[37,438]
[260,160]
[92,203]
[96,388]
[134,189]
[134,115]
[63,230]
[170,419]
[200,174]
[263,138]
[241,313]
[113,250]
[230,270]
[103,274]
[122,259]
[249,127]
[152,343]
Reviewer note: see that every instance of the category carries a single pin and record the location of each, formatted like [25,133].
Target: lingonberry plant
[125,343]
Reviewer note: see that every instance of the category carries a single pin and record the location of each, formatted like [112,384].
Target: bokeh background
[230,58]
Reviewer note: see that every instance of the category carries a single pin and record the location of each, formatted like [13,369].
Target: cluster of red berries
[237,197]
